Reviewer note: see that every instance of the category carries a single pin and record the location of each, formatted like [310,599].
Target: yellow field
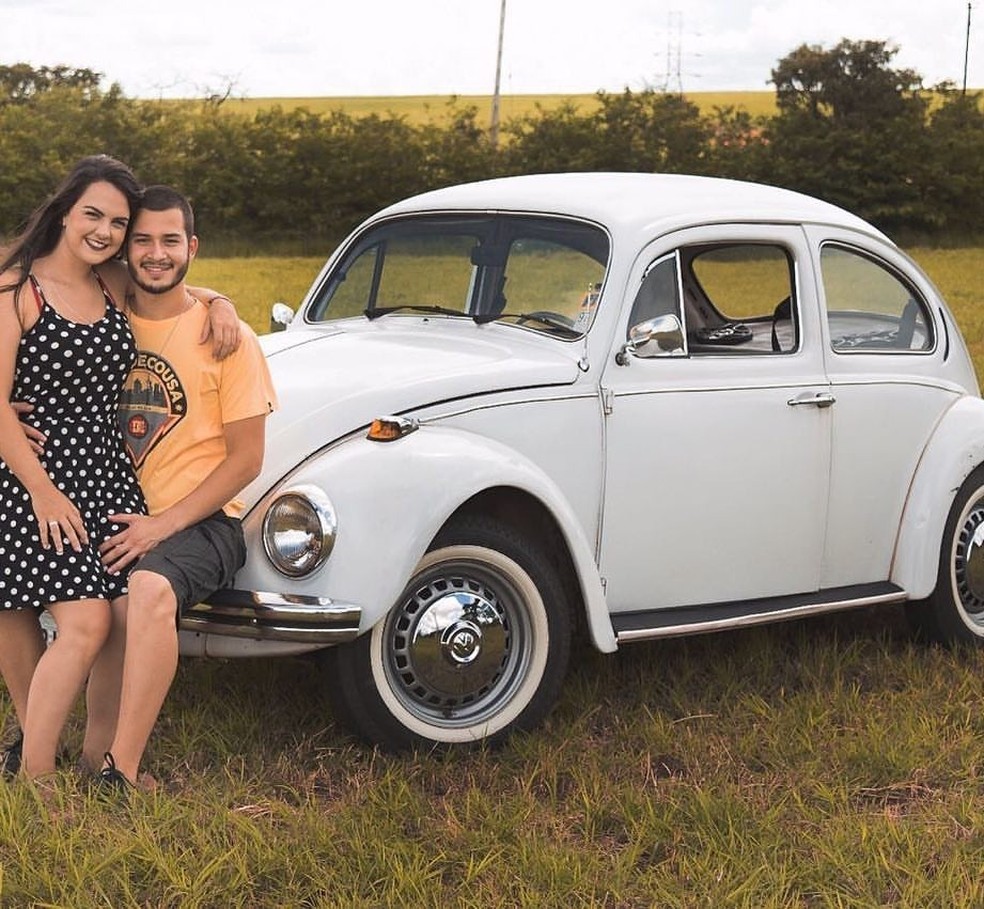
[418,109]
[424,108]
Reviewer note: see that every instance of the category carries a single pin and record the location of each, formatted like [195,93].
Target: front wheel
[954,611]
[476,647]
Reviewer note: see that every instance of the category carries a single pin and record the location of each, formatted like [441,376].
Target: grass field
[257,282]
[822,763]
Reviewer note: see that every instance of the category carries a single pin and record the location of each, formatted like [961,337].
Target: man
[194,428]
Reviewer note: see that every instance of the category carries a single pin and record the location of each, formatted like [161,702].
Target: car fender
[392,498]
[954,450]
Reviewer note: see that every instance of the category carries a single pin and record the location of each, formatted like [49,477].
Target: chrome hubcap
[451,645]
[461,642]
[968,562]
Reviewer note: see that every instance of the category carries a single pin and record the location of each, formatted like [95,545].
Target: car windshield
[543,274]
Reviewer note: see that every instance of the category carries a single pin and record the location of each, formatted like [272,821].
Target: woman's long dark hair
[44,227]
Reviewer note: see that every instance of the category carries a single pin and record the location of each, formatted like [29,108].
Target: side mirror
[658,337]
[281,315]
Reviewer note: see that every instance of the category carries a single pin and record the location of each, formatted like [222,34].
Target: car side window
[659,293]
[869,307]
[739,298]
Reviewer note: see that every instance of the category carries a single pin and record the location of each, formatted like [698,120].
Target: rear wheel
[476,647]
[955,610]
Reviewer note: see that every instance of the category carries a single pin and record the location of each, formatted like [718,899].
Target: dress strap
[38,293]
[105,289]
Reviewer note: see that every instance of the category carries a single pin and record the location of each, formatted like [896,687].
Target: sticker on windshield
[588,303]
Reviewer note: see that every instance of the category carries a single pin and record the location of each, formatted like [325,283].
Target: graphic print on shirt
[152,403]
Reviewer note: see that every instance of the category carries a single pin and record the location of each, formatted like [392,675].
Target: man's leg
[102,694]
[21,646]
[82,629]
[149,665]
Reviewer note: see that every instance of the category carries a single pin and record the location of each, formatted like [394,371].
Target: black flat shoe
[10,762]
[112,781]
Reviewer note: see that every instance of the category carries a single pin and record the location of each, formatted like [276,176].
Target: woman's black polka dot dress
[72,373]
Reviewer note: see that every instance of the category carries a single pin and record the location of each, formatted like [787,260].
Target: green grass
[829,762]
[820,763]
[256,283]
[956,272]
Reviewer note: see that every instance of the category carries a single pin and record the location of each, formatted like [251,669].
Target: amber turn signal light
[389,429]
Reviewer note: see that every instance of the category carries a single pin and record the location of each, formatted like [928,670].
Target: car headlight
[299,530]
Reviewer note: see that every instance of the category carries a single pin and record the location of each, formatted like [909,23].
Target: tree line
[849,127]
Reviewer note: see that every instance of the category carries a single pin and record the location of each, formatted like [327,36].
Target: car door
[882,353]
[718,452]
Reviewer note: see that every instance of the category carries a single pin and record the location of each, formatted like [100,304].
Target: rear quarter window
[870,307]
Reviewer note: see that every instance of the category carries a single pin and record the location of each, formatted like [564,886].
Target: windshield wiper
[414,307]
[551,320]
[478,318]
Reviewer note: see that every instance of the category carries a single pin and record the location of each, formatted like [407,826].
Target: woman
[65,348]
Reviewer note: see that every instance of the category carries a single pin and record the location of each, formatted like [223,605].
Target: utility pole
[494,129]
[966,48]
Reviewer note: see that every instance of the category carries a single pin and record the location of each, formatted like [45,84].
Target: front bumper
[274,617]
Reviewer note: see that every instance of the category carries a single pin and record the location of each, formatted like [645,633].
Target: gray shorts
[198,560]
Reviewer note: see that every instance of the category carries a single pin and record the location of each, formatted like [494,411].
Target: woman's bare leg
[102,693]
[83,626]
[21,646]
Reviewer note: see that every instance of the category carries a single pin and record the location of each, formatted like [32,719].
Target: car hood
[333,381]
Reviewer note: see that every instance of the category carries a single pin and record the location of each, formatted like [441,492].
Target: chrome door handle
[821,399]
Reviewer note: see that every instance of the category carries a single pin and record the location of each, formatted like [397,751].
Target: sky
[314,48]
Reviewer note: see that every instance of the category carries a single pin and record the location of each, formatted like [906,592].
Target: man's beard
[179,276]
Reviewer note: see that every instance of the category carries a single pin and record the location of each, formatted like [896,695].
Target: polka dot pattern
[72,373]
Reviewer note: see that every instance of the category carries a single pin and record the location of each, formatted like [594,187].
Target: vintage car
[624,406]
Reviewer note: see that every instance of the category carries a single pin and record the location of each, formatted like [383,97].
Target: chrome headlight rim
[317,501]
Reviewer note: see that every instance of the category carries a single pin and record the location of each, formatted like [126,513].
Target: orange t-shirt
[177,399]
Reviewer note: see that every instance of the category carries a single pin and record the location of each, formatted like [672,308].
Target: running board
[684,620]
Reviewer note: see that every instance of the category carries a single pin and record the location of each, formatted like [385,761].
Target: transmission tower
[673,80]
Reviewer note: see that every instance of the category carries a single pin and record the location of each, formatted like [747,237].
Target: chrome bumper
[274,617]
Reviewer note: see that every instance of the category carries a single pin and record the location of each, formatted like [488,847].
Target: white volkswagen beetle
[624,405]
